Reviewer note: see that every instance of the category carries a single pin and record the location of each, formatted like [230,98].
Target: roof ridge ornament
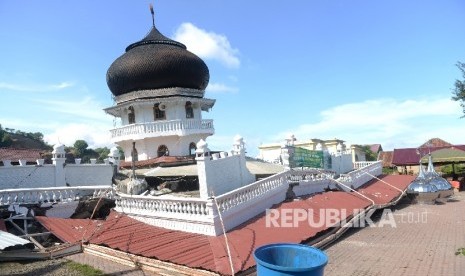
[153,14]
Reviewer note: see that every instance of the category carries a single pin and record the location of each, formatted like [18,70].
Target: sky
[364,71]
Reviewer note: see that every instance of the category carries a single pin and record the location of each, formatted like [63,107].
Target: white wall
[15,177]
[32,176]
[174,111]
[88,175]
[222,175]
[342,163]
[147,148]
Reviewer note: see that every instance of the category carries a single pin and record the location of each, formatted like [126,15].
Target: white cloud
[221,88]
[96,135]
[208,45]
[85,108]
[35,87]
[220,142]
[391,122]
[64,120]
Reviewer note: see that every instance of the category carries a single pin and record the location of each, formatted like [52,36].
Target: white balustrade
[163,127]
[362,175]
[52,195]
[149,205]
[362,164]
[308,175]
[250,192]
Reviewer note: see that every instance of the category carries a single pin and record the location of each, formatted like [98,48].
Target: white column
[59,162]
[203,158]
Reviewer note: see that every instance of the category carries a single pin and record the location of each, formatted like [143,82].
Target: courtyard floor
[424,242]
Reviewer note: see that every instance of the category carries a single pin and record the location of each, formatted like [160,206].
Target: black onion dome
[156,62]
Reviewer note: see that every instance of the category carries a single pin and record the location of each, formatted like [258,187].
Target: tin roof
[411,156]
[446,155]
[382,193]
[386,157]
[123,233]
[9,242]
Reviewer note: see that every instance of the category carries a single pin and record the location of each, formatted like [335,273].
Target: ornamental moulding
[164,92]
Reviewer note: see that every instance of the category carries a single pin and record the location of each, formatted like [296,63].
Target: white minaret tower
[159,88]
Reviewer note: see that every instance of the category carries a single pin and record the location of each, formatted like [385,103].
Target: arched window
[163,151]
[131,115]
[158,114]
[192,148]
[189,110]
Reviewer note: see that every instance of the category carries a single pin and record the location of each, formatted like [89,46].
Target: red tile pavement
[424,242]
[121,232]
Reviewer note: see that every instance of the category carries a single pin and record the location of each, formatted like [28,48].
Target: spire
[430,164]
[421,174]
[153,14]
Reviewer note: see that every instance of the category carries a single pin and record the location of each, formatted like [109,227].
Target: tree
[2,132]
[459,89]
[80,147]
[102,153]
[369,154]
[6,140]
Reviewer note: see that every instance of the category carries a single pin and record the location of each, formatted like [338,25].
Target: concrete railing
[164,128]
[308,175]
[357,178]
[53,194]
[363,164]
[250,192]
[149,205]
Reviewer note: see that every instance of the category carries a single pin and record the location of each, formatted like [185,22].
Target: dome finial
[153,14]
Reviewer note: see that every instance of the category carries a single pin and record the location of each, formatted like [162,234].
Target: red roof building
[30,155]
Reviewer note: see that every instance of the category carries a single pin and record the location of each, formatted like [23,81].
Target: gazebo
[446,156]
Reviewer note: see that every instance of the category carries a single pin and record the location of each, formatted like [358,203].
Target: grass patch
[84,269]
[460,251]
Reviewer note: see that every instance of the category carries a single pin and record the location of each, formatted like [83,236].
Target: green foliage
[460,251]
[84,269]
[121,152]
[459,87]
[6,139]
[80,147]
[102,153]
[389,171]
[369,154]
[447,169]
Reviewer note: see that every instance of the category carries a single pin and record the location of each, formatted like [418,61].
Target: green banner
[301,157]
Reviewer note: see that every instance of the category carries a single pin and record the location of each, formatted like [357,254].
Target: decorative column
[203,158]
[58,158]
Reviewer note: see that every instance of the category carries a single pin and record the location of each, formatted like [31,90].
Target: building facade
[158,88]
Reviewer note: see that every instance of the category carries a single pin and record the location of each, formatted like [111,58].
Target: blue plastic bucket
[289,259]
